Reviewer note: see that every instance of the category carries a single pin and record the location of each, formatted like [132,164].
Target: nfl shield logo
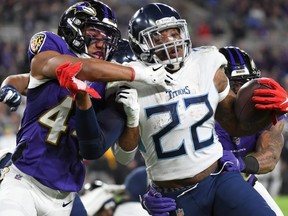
[180,212]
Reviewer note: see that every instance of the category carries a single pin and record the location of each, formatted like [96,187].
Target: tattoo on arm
[269,147]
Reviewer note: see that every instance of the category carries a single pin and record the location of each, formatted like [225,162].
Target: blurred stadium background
[258,27]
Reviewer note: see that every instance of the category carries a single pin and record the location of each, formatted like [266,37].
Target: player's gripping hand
[155,204]
[152,75]
[129,98]
[10,96]
[274,98]
[231,162]
[66,73]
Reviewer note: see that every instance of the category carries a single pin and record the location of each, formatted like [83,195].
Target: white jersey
[177,125]
[130,209]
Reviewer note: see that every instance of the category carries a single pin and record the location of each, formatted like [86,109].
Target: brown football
[244,106]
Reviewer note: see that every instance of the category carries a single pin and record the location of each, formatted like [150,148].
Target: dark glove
[156,205]
[10,96]
[231,162]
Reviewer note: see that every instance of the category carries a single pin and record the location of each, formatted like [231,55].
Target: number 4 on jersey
[56,120]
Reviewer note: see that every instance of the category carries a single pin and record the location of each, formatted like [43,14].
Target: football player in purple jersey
[256,154]
[47,168]
[10,96]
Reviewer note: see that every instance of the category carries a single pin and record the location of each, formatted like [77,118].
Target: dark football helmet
[241,66]
[147,23]
[90,13]
[123,52]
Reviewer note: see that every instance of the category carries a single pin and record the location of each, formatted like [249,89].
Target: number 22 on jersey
[175,122]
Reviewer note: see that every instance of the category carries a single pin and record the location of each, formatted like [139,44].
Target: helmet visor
[104,38]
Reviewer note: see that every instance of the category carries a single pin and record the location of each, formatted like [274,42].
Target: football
[244,106]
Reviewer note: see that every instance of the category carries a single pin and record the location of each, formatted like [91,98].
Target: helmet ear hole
[88,13]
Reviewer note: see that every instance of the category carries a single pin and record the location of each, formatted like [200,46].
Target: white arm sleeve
[224,93]
[123,157]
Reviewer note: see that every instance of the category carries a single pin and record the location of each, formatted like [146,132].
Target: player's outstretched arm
[44,65]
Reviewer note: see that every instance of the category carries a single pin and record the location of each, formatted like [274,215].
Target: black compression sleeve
[97,132]
[252,165]
[89,133]
[86,124]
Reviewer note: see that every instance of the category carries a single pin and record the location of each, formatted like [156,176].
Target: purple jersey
[239,146]
[47,148]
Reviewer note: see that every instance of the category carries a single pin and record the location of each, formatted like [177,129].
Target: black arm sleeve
[98,132]
[252,165]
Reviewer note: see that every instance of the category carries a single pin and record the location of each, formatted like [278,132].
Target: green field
[282,201]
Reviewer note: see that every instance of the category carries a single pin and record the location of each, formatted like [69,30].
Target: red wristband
[133,74]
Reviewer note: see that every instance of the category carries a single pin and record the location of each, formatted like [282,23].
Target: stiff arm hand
[155,75]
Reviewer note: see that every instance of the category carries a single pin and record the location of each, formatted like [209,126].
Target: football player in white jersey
[179,143]
[240,69]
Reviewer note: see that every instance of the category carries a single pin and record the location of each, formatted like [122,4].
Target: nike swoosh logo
[65,204]
[155,69]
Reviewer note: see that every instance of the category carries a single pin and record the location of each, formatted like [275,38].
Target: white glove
[153,75]
[129,98]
